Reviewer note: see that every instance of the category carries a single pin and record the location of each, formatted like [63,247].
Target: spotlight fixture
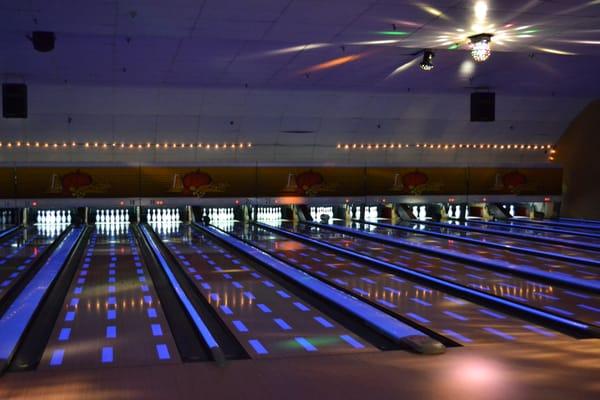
[427,62]
[480,46]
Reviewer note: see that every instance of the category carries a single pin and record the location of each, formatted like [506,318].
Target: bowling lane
[18,252]
[111,315]
[563,302]
[504,240]
[460,320]
[555,233]
[267,319]
[555,225]
[547,264]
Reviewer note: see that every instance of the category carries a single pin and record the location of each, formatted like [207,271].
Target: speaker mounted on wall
[14,100]
[483,107]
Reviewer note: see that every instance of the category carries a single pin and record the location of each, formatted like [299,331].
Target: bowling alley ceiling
[539,46]
[298,77]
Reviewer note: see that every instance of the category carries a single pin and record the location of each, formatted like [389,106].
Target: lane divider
[201,326]
[524,270]
[9,231]
[382,322]
[517,235]
[19,314]
[572,327]
[537,228]
[516,249]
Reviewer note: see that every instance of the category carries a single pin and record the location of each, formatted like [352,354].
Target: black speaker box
[483,106]
[14,100]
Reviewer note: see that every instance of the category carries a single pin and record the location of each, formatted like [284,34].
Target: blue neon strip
[324,322]
[443,283]
[536,228]
[380,320]
[462,338]
[301,306]
[57,357]
[8,231]
[107,355]
[486,243]
[508,230]
[239,325]
[496,332]
[542,332]
[308,346]
[282,324]
[162,351]
[352,342]
[200,325]
[593,286]
[257,346]
[17,317]
[557,224]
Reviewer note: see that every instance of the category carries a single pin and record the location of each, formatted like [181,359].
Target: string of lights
[446,146]
[123,145]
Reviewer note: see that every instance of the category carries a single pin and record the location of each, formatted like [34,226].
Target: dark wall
[579,154]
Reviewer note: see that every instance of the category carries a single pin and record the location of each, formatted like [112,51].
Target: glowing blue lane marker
[111,332]
[200,325]
[352,342]
[263,308]
[282,324]
[450,285]
[492,314]
[107,354]
[257,346]
[111,314]
[301,306]
[419,318]
[380,320]
[361,292]
[268,284]
[575,294]
[69,316]
[226,310]
[545,296]
[156,330]
[340,282]
[513,297]
[324,322]
[308,346]
[15,320]
[421,302]
[497,264]
[214,297]
[497,245]
[558,310]
[456,316]
[496,332]
[162,351]
[206,286]
[237,285]
[239,325]
[283,294]
[57,357]
[386,303]
[462,338]
[535,329]
[589,308]
[249,295]
[64,335]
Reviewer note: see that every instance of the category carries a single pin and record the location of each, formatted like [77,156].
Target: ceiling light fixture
[480,46]
[427,62]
